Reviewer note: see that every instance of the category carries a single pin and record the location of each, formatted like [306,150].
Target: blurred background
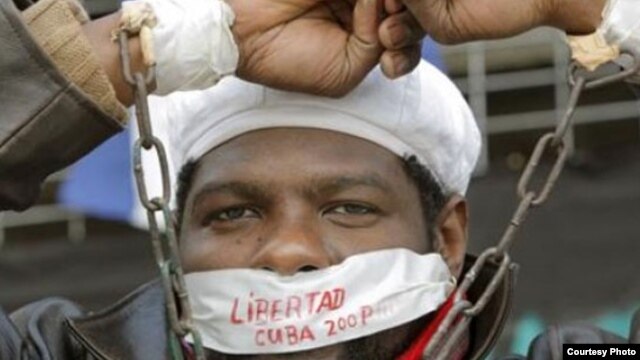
[579,254]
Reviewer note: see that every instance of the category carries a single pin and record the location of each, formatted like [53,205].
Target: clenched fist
[455,21]
[318,46]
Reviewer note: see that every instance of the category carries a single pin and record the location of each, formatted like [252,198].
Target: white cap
[421,114]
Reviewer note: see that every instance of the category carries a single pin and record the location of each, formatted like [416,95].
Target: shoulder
[133,328]
[60,329]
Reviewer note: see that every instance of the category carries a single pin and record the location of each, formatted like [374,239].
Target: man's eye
[353,209]
[235,213]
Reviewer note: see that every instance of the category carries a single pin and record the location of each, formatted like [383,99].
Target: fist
[324,47]
[450,21]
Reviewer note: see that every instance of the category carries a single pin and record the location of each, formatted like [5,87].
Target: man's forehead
[320,159]
[280,149]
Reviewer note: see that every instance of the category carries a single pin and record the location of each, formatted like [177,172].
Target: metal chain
[463,311]
[165,246]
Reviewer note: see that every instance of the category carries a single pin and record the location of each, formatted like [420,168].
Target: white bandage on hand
[621,25]
[621,28]
[193,44]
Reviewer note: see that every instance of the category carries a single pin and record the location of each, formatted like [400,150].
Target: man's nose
[292,245]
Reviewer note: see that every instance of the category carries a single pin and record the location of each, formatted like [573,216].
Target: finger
[363,47]
[393,6]
[395,63]
[366,22]
[400,30]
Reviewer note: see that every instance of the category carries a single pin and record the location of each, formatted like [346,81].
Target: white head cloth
[421,114]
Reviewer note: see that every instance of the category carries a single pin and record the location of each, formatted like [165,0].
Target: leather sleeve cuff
[56,27]
[47,122]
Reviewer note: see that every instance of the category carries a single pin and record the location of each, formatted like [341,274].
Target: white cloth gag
[248,311]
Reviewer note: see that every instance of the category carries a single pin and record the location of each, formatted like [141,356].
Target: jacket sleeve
[10,339]
[46,122]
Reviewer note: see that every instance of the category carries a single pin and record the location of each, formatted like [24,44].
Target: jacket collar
[135,328]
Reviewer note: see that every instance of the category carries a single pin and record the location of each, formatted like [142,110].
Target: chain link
[458,319]
[165,246]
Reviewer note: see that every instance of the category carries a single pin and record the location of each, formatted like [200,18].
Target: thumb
[363,47]
[366,19]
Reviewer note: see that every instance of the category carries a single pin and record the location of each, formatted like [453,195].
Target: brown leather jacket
[46,123]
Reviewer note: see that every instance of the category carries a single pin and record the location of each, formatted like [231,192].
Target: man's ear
[451,233]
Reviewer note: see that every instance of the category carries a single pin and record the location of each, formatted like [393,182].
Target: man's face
[291,200]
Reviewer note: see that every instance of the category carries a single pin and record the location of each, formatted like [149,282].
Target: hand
[450,21]
[323,47]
